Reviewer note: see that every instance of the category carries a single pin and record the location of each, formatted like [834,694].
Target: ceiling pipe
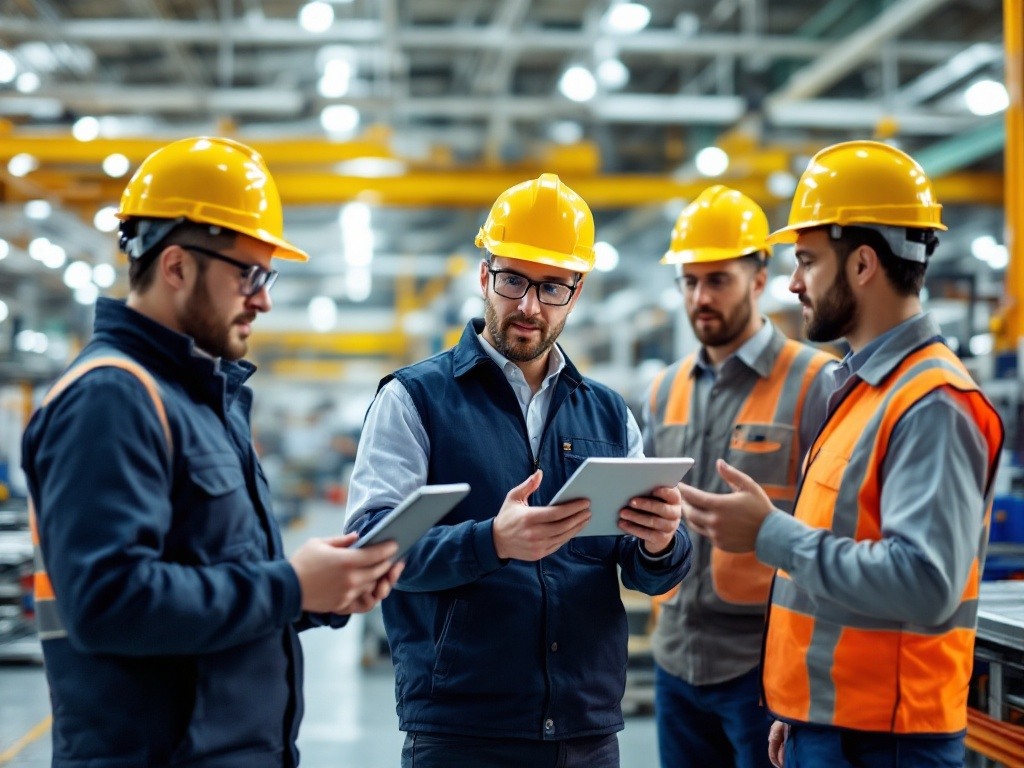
[660,43]
[861,46]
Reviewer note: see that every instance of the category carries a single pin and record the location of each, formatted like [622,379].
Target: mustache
[521,319]
[706,311]
[245,317]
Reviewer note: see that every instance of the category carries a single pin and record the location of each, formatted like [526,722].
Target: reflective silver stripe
[37,559]
[820,660]
[788,595]
[48,621]
[785,409]
[831,619]
[847,508]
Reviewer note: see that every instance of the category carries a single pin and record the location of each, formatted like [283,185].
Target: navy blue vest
[531,649]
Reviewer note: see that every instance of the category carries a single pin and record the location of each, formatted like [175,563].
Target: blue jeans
[811,746]
[711,725]
[445,750]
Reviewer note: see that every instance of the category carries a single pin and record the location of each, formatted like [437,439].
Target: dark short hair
[905,276]
[140,276]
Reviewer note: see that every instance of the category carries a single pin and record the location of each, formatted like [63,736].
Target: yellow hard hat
[861,182]
[720,224]
[210,180]
[541,220]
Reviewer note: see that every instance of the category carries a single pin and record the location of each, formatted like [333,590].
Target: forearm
[654,576]
[932,506]
[148,607]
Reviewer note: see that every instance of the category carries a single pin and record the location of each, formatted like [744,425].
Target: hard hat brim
[536,255]
[709,255]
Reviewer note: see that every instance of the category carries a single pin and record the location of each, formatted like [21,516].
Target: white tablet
[611,483]
[417,513]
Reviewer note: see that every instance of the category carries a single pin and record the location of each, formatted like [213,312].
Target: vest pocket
[215,473]
[447,644]
[763,451]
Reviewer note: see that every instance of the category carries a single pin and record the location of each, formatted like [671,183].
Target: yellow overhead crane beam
[307,172]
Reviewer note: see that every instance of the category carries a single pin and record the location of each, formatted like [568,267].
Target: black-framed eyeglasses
[512,285]
[254,277]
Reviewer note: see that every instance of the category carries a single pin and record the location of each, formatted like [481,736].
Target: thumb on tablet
[522,492]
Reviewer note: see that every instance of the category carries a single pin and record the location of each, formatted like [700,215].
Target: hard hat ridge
[543,221]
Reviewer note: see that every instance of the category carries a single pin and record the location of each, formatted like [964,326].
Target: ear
[760,281]
[174,268]
[863,265]
[485,276]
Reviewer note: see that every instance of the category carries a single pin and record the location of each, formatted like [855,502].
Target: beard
[726,330]
[517,348]
[211,332]
[835,314]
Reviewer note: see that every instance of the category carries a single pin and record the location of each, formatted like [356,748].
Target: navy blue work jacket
[169,573]
[486,647]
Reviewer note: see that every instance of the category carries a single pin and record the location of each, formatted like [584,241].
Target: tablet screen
[417,513]
[610,483]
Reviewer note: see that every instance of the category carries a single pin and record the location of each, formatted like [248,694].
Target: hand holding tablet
[417,513]
[610,484]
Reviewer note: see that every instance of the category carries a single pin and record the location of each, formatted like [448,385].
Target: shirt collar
[750,353]
[882,354]
[556,360]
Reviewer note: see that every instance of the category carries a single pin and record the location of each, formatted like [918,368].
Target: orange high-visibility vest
[828,665]
[49,624]
[776,400]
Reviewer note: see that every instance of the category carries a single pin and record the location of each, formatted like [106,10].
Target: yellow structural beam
[363,343]
[1009,324]
[476,189]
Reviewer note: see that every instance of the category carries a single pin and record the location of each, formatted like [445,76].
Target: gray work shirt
[700,638]
[932,502]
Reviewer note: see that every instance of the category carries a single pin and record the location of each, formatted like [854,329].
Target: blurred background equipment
[390,127]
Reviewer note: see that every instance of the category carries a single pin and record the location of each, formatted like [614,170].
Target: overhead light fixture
[22,164]
[566,131]
[87,294]
[106,219]
[8,67]
[711,161]
[5,249]
[606,256]
[334,81]
[27,82]
[986,97]
[86,128]
[339,119]
[578,84]
[985,248]
[627,18]
[4,312]
[781,183]
[322,313]
[38,210]
[371,167]
[116,165]
[104,275]
[316,16]
[778,287]
[77,274]
[55,256]
[358,283]
[612,74]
